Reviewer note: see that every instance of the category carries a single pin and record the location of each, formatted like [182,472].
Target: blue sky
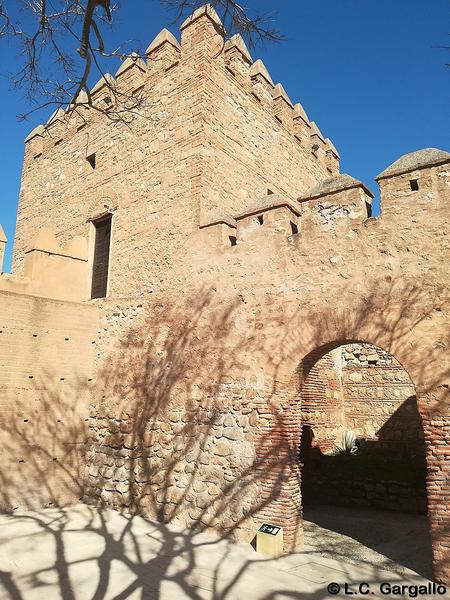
[366,71]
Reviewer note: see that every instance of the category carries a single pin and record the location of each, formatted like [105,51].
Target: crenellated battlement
[212,133]
[137,75]
[339,203]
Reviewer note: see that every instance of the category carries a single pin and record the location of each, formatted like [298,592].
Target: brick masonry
[46,351]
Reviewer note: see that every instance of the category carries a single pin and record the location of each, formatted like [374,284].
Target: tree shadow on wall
[408,321]
[166,442]
[174,435]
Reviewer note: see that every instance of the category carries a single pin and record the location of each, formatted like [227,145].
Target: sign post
[269,540]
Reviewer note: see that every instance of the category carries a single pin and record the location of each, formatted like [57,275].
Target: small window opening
[369,209]
[260,219]
[414,183]
[100,265]
[107,100]
[294,228]
[269,192]
[279,119]
[91,160]
[232,239]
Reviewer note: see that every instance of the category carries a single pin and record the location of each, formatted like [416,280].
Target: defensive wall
[239,258]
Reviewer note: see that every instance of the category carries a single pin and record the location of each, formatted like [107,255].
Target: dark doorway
[362,449]
[100,267]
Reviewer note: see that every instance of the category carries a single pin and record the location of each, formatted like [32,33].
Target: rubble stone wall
[380,401]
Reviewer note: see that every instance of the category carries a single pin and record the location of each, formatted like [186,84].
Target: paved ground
[81,553]
[394,541]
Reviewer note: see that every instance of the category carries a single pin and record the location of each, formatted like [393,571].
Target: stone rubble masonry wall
[382,495]
[46,366]
[364,389]
[195,329]
[365,355]
[380,401]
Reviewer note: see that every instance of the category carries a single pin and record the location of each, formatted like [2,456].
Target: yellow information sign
[269,540]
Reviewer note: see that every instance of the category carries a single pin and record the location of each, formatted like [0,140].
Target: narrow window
[414,183]
[232,239]
[101,257]
[91,160]
[294,228]
[260,219]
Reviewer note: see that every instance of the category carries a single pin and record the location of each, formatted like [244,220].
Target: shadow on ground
[391,540]
[84,553]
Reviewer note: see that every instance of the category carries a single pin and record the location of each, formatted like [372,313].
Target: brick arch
[104,195]
[285,505]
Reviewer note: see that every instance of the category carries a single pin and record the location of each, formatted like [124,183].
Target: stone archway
[428,407]
[362,457]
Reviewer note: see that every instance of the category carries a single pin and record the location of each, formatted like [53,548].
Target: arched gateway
[230,251]
[360,431]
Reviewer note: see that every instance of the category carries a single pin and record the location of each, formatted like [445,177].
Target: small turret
[338,198]
[422,176]
[275,213]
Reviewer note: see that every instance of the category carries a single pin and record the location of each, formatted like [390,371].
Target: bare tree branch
[58,52]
